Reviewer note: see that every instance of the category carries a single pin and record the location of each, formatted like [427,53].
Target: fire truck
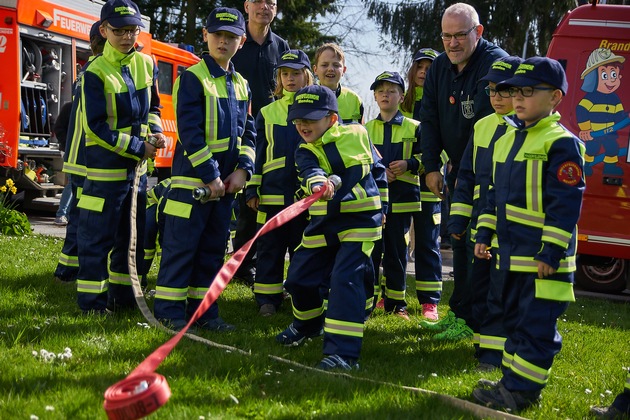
[593,44]
[43,45]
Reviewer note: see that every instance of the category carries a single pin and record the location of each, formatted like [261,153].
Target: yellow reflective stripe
[529,370]
[476,192]
[310,314]
[69,260]
[359,205]
[475,338]
[200,156]
[350,329]
[149,254]
[89,202]
[627,386]
[411,207]
[556,236]
[409,178]
[360,234]
[461,209]
[369,302]
[384,193]
[428,286]
[119,278]
[272,200]
[524,217]
[171,293]
[359,192]
[101,174]
[488,221]
[73,168]
[310,183]
[395,294]
[247,151]
[178,209]
[534,188]
[268,289]
[274,164]
[492,342]
[197,292]
[255,181]
[219,145]
[316,241]
[319,208]
[560,291]
[529,265]
[154,120]
[124,140]
[186,183]
[429,196]
[92,286]
[261,217]
[507,359]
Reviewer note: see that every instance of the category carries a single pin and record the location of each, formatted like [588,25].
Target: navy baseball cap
[535,70]
[95,32]
[226,19]
[121,13]
[312,103]
[294,59]
[389,76]
[502,69]
[425,54]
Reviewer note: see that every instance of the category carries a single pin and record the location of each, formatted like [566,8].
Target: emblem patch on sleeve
[569,173]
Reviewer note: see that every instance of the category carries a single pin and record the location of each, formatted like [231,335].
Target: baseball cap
[226,19]
[502,69]
[95,32]
[537,70]
[294,59]
[121,13]
[312,103]
[389,76]
[425,54]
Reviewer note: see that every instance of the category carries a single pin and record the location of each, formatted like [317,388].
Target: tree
[181,20]
[519,27]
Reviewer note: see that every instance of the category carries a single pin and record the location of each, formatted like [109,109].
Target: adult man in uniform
[256,62]
[453,101]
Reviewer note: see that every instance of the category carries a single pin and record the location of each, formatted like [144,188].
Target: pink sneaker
[429,311]
[380,304]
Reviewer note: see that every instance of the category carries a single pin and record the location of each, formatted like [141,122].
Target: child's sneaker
[429,311]
[333,362]
[457,331]
[500,398]
[292,337]
[401,313]
[380,304]
[441,325]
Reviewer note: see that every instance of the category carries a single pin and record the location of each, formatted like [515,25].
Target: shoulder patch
[569,173]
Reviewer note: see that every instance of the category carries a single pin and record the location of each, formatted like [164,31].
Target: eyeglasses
[527,91]
[493,92]
[300,121]
[123,32]
[269,3]
[459,36]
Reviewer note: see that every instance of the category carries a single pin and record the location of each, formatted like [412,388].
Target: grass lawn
[38,314]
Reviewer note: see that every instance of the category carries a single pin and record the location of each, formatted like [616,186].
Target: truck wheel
[607,276]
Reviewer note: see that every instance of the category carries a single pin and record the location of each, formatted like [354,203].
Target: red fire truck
[593,43]
[43,43]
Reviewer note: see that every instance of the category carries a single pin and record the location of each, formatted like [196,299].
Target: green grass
[37,313]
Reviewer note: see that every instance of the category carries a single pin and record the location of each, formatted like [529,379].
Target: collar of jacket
[112,55]
[215,69]
[513,120]
[396,120]
[287,96]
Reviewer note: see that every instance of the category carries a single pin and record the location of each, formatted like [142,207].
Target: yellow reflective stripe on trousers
[307,315]
[411,207]
[360,235]
[318,208]
[560,291]
[529,370]
[507,359]
[556,236]
[428,286]
[492,342]
[395,294]
[351,329]
[530,265]
[197,292]
[268,289]
[524,216]
[171,293]
[316,241]
[119,278]
[89,202]
[95,287]
[69,260]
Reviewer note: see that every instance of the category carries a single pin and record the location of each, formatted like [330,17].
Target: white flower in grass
[234,399]
[434,375]
[34,417]
[587,391]
[608,392]
[50,408]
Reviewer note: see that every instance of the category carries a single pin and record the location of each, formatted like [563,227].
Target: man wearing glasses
[453,101]
[256,62]
[120,112]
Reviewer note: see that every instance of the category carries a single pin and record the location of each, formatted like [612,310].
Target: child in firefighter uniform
[74,166]
[337,243]
[396,138]
[469,198]
[274,183]
[533,205]
[120,109]
[215,151]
